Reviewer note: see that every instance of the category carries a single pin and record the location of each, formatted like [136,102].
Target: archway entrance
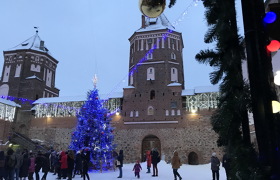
[148,143]
[193,158]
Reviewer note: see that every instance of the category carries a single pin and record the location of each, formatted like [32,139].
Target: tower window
[149,56]
[166,113]
[136,114]
[174,75]
[150,110]
[151,73]
[152,94]
[131,113]
[173,56]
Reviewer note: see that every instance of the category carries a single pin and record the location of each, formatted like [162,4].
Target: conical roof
[34,43]
[158,23]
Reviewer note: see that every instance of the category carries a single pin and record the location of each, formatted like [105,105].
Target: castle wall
[192,134]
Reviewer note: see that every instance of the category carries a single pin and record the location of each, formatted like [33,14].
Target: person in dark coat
[78,164]
[40,160]
[137,168]
[31,168]
[10,163]
[120,165]
[215,166]
[46,166]
[85,161]
[226,164]
[2,165]
[71,163]
[23,172]
[155,160]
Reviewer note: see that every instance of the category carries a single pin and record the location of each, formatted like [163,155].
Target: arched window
[151,73]
[173,56]
[174,75]
[149,56]
[178,112]
[131,80]
[150,110]
[166,113]
[172,112]
[136,113]
[131,113]
[152,94]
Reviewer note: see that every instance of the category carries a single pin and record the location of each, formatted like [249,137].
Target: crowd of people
[24,164]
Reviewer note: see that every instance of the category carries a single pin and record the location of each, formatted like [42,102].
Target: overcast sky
[90,37]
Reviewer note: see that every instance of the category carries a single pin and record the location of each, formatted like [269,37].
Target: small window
[136,114]
[131,113]
[150,110]
[152,94]
[166,113]
[178,112]
[149,56]
[172,112]
[151,73]
[173,105]
[173,56]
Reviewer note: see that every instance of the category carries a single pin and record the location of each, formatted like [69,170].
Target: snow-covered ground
[188,172]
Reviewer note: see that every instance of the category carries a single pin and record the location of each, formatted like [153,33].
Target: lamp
[275,106]
[277,78]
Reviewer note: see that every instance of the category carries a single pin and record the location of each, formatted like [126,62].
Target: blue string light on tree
[94,132]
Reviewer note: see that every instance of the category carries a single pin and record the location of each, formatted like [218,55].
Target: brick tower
[28,72]
[156,82]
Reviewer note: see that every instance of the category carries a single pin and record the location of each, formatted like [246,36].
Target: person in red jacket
[149,161]
[64,164]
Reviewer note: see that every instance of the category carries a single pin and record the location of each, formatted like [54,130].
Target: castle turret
[28,72]
[156,76]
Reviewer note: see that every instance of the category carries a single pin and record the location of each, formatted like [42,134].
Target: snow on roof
[34,43]
[158,23]
[200,89]
[129,87]
[60,99]
[174,84]
[34,77]
[76,98]
[8,102]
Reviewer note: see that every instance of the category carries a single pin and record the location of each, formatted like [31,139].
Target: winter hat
[214,154]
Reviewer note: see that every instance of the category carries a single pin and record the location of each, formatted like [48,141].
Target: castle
[154,110]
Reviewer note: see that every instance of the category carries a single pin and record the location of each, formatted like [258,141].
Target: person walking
[176,163]
[226,164]
[215,166]
[149,161]
[31,168]
[19,157]
[78,164]
[155,161]
[46,166]
[10,163]
[85,161]
[40,160]
[120,164]
[137,168]
[23,172]
[2,165]
[71,163]
[64,164]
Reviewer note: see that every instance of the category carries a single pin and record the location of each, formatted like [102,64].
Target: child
[149,161]
[137,168]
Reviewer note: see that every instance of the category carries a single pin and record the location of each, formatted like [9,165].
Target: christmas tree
[94,132]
